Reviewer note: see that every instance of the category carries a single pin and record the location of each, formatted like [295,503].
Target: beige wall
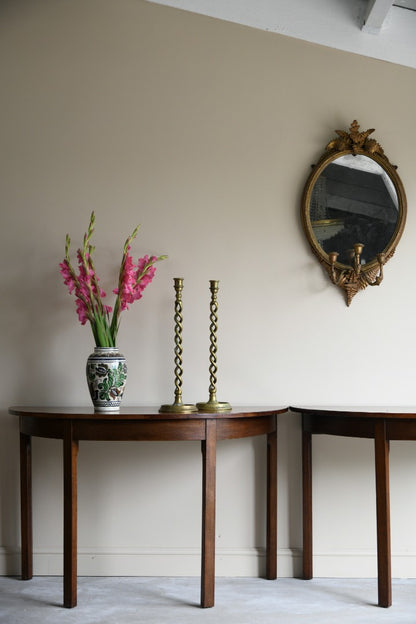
[204,132]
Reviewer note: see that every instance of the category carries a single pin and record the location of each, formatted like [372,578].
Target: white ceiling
[381,29]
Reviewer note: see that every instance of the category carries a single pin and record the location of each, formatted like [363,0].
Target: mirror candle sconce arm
[349,279]
[353,210]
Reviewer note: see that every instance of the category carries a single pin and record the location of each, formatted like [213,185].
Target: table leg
[271,533]
[26,505]
[208,514]
[70,518]
[307,504]
[381,446]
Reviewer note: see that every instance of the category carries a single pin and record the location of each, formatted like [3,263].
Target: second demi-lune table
[381,424]
[143,423]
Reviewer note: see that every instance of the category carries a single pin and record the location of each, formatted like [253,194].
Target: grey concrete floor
[159,600]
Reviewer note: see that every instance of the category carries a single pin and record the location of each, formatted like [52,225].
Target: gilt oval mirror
[353,210]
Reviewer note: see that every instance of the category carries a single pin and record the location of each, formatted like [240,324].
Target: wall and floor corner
[203,132]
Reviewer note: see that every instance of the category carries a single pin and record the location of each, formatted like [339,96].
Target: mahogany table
[143,423]
[381,424]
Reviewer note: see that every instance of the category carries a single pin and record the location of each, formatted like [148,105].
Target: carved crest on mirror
[353,210]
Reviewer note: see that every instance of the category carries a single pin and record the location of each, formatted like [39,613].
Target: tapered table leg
[271,533]
[208,514]
[70,518]
[26,505]
[381,445]
[307,504]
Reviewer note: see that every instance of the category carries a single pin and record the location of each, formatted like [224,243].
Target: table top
[143,412]
[138,413]
[360,411]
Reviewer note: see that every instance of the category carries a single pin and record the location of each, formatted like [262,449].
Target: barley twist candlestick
[212,405]
[178,407]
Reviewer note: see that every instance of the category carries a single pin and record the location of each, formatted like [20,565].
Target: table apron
[50,428]
[401,429]
[146,430]
[338,425]
[168,430]
[228,429]
[396,428]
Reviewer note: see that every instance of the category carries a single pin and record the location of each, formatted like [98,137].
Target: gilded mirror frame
[356,276]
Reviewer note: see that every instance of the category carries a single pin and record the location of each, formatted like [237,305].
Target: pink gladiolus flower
[67,275]
[133,279]
[82,311]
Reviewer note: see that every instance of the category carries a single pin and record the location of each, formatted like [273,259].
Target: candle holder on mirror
[354,278]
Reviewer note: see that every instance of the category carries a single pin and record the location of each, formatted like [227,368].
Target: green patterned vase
[106,377]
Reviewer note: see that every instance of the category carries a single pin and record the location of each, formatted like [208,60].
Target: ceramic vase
[106,378]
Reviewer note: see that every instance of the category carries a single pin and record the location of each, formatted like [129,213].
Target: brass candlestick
[212,405]
[178,407]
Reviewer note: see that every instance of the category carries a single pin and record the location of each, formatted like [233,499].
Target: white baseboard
[361,564]
[153,562]
[187,562]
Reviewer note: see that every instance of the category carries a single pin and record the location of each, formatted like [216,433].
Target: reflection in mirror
[353,210]
[353,200]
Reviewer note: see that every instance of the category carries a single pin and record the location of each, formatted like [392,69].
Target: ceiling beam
[376,14]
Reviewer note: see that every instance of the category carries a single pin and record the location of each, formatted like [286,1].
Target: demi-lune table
[73,424]
[381,424]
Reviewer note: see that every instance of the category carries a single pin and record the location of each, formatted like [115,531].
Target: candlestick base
[214,406]
[178,408]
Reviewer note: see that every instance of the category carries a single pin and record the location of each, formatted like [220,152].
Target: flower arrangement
[133,279]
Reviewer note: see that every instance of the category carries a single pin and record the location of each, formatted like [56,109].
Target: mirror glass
[353,201]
